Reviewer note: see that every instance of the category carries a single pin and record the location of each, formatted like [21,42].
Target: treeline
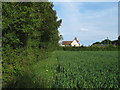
[29,34]
[83,48]
[108,42]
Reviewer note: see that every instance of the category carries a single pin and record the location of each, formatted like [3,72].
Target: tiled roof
[69,42]
[66,42]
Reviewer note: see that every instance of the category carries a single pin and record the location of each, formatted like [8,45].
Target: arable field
[75,69]
[87,69]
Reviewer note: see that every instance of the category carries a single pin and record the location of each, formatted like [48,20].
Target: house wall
[75,43]
[63,45]
[66,45]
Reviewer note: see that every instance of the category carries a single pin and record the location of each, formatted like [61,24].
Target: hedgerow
[29,34]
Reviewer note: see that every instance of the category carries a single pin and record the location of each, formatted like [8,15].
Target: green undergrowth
[17,67]
[44,72]
[38,75]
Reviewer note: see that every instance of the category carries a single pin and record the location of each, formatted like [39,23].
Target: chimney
[75,38]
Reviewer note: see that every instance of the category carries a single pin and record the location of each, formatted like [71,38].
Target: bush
[29,34]
[110,48]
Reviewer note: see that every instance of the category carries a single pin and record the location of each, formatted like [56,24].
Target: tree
[30,24]
[115,42]
[96,43]
[119,40]
[106,42]
[29,29]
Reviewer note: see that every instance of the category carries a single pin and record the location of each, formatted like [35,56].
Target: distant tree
[96,43]
[115,42]
[82,45]
[118,37]
[119,40]
[106,42]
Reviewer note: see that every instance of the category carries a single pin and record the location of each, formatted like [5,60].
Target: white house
[74,43]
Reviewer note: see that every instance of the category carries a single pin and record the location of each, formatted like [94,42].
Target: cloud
[83,29]
[95,25]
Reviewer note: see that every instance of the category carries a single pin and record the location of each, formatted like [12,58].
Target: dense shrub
[29,34]
[110,48]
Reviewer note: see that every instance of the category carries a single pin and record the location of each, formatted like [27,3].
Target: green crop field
[75,69]
[87,69]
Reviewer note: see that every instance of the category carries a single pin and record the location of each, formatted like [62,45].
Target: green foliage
[38,75]
[86,69]
[25,21]
[96,43]
[83,48]
[108,42]
[29,33]
[76,69]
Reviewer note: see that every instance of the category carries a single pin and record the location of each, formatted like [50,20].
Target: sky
[88,21]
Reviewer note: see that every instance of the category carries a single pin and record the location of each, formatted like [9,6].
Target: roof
[69,42]
[66,42]
[76,39]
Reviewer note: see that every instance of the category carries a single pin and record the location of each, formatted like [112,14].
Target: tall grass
[16,64]
[37,75]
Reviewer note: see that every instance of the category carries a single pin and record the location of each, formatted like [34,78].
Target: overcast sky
[88,21]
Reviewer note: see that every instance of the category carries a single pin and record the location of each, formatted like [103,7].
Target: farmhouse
[74,43]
